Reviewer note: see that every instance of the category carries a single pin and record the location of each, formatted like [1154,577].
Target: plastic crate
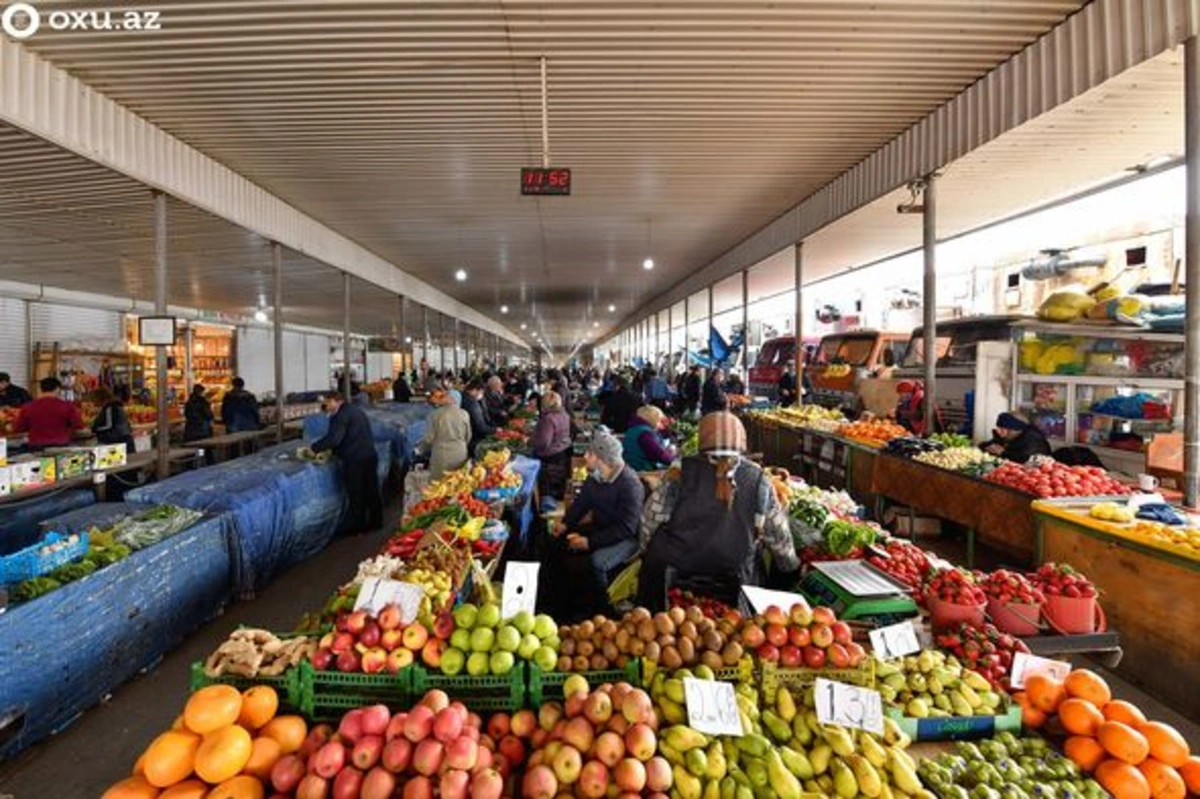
[742,672]
[774,677]
[489,692]
[30,562]
[327,695]
[957,728]
[546,686]
[286,685]
[496,494]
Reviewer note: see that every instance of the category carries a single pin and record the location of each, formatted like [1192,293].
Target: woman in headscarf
[1015,439]
[551,444]
[715,519]
[645,450]
[447,434]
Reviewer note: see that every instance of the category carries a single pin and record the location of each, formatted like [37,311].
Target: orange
[263,754]
[1123,742]
[1084,684]
[1165,782]
[171,758]
[259,705]
[1122,780]
[289,731]
[223,754]
[1031,717]
[1080,717]
[211,708]
[1191,774]
[242,787]
[1045,693]
[1086,752]
[190,789]
[1166,744]
[1124,712]
[131,788]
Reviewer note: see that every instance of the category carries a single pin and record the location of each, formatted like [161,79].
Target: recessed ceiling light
[595,324]
[612,309]
[460,275]
[648,264]
[503,309]
[522,325]
[408,339]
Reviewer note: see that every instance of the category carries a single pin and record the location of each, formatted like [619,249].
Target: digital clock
[539,180]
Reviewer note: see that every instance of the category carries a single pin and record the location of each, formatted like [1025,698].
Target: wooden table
[222,445]
[1148,594]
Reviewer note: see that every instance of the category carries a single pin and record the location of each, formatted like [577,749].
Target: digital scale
[857,591]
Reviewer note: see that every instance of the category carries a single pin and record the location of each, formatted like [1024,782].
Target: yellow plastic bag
[1065,306]
[625,586]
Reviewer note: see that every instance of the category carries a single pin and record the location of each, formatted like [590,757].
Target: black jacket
[400,390]
[14,397]
[112,425]
[690,388]
[1029,443]
[239,411]
[620,408]
[496,407]
[198,419]
[480,429]
[713,398]
[349,435]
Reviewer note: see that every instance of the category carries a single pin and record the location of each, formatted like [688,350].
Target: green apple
[465,616]
[478,664]
[544,626]
[545,658]
[482,639]
[529,645]
[508,638]
[489,616]
[453,661]
[501,663]
[523,621]
[553,643]
[461,639]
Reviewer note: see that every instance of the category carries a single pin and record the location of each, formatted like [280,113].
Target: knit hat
[722,433]
[455,397]
[651,415]
[606,447]
[1009,421]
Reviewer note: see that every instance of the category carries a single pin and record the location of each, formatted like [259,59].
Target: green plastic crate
[957,728]
[487,693]
[286,685]
[742,672]
[327,695]
[774,677]
[547,686]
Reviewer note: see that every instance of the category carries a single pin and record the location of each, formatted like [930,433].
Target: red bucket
[1015,618]
[1074,615]
[945,615]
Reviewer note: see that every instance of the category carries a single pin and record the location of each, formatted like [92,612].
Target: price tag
[762,598]
[377,593]
[895,641]
[848,706]
[712,707]
[1024,665]
[520,588]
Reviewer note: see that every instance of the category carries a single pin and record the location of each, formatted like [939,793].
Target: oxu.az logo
[23,20]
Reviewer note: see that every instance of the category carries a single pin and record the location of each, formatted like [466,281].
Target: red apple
[768,653]
[799,636]
[800,614]
[822,635]
[414,637]
[775,615]
[355,622]
[391,639]
[790,656]
[443,626]
[370,635]
[431,653]
[857,654]
[839,658]
[753,636]
[777,634]
[824,615]
[389,618]
[399,659]
[814,658]
[374,660]
[842,633]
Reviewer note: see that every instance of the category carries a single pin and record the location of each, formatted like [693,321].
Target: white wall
[305,360]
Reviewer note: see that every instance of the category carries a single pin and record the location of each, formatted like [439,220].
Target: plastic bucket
[1015,618]
[948,614]
[1074,615]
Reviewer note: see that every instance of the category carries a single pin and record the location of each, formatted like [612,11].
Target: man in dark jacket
[621,406]
[690,390]
[1016,440]
[400,390]
[239,409]
[495,403]
[12,396]
[713,397]
[350,439]
[472,403]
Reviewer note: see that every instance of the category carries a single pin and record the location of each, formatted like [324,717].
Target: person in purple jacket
[643,447]
[551,444]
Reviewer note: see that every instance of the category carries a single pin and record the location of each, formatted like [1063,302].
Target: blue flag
[717,346]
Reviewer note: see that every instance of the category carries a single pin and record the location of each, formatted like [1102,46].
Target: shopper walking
[658,393]
[551,444]
[350,439]
[12,396]
[691,390]
[713,397]
[239,409]
[111,425]
[197,415]
[472,403]
[447,435]
[49,420]
[621,407]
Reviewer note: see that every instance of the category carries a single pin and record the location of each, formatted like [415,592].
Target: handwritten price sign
[848,706]
[712,707]
[1023,666]
[376,594]
[895,641]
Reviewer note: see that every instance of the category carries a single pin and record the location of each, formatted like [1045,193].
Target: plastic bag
[1065,306]
[414,483]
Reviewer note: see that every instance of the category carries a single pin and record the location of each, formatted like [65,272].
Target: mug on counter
[1148,482]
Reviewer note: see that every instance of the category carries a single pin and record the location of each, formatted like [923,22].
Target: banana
[869,783]
[844,783]
[893,735]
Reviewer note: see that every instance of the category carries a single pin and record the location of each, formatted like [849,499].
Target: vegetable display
[1051,479]
[843,538]
[970,460]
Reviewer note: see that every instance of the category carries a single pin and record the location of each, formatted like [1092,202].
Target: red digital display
[550,180]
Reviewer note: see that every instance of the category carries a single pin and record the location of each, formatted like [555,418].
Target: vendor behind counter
[1015,439]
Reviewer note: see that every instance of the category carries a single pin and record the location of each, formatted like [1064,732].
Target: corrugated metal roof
[403,124]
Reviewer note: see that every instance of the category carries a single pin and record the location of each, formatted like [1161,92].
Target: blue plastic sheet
[282,510]
[399,424]
[20,522]
[523,503]
[65,651]
[102,515]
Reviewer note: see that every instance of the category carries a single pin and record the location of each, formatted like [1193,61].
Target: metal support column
[798,324]
[346,335]
[456,343]
[403,333]
[929,298]
[163,441]
[442,342]
[277,325]
[189,365]
[1191,390]
[746,324]
[425,334]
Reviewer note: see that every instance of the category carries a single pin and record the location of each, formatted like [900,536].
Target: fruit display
[911,446]
[711,608]
[1006,768]
[970,460]
[8,421]
[874,432]
[1111,739]
[1111,512]
[802,637]
[672,638]
[983,649]
[1004,585]
[226,744]
[838,503]
[102,550]
[1183,540]
[952,440]
[847,539]
[808,512]
[1059,579]
[252,653]
[902,561]
[483,643]
[935,685]
[798,417]
[955,587]
[370,644]
[1052,479]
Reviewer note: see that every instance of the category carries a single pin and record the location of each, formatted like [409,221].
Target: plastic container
[327,695]
[286,685]
[547,686]
[487,692]
[1015,618]
[944,615]
[957,728]
[496,494]
[774,677]
[1074,615]
[742,672]
[32,562]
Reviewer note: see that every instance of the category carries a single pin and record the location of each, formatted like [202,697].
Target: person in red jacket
[49,421]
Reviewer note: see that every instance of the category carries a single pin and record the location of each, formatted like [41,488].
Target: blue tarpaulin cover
[20,522]
[523,503]
[101,515]
[400,424]
[283,510]
[63,652]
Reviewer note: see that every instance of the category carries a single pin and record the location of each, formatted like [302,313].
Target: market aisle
[95,751]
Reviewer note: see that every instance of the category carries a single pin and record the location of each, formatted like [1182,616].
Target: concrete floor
[101,746]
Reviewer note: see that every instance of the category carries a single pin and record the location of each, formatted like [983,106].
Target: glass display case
[1109,388]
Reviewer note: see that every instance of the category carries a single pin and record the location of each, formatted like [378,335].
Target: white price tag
[762,598]
[848,706]
[895,641]
[1024,665]
[712,707]
[377,593]
[520,588]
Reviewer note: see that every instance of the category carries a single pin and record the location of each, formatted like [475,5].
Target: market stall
[399,425]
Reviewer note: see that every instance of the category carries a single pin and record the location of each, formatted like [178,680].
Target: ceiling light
[503,309]
[522,325]
[648,264]
[260,315]
[408,339]
[612,309]
[595,324]
[460,275]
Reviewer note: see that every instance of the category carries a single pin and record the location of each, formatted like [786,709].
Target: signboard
[895,641]
[520,588]
[712,707]
[156,331]
[1024,665]
[848,706]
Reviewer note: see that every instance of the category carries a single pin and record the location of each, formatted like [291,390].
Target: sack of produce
[1065,306]
[1130,310]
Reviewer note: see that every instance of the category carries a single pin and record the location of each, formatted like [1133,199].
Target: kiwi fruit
[585,649]
[647,630]
[670,658]
[732,653]
[652,651]
[599,662]
[581,663]
[713,641]
[678,615]
[712,659]
[567,647]
[686,650]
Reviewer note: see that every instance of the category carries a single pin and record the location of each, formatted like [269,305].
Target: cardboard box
[34,473]
[3,451]
[72,464]
[5,481]
[108,456]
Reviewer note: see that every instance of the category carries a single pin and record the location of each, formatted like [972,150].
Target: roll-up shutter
[316,356]
[75,328]
[14,340]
